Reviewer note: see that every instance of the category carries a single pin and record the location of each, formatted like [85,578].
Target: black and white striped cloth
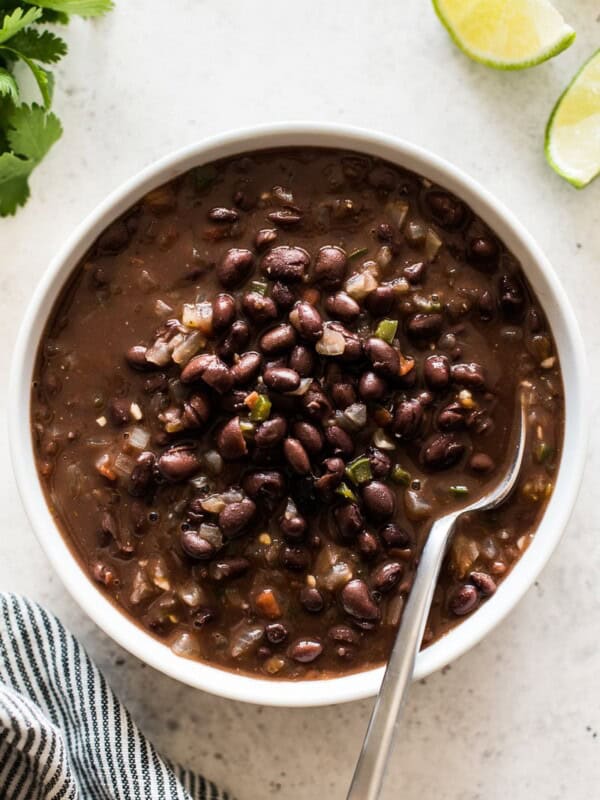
[63,733]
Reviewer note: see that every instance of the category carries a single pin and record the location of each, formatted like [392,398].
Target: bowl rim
[548,289]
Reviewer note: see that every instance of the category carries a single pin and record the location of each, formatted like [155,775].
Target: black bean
[268,485]
[383,357]
[442,451]
[276,633]
[487,305]
[415,273]
[357,601]
[285,218]
[286,264]
[310,436]
[343,394]
[293,526]
[330,267]
[302,360]
[483,252]
[244,200]
[114,239]
[142,475]
[230,440]
[235,267]
[178,463]
[343,633]
[379,302]
[283,295]
[386,575]
[259,308]
[368,544]
[296,456]
[247,368]
[223,312]
[234,402]
[446,210]
[469,375]
[307,321]
[371,386]
[408,419]
[265,238]
[195,546]
[349,520]
[196,411]
[225,215]
[311,599]
[315,402]
[294,558]
[464,600]
[512,298]
[381,464]
[203,617]
[156,383]
[352,344]
[281,379]
[342,306]
[278,339]
[436,371]
[235,517]
[481,462]
[395,537]
[227,568]
[210,369]
[305,650]
[340,441]
[385,232]
[424,326]
[235,341]
[270,432]
[136,357]
[118,410]
[379,500]
[484,582]
[452,417]
[332,475]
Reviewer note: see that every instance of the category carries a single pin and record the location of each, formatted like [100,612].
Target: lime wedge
[573,130]
[505,34]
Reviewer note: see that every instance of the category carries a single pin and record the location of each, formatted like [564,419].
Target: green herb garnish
[386,330]
[27,132]
[346,492]
[359,470]
[260,287]
[459,490]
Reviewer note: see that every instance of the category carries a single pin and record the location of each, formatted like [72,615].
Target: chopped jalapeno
[459,490]
[359,470]
[400,475]
[260,287]
[346,492]
[361,251]
[260,408]
[386,330]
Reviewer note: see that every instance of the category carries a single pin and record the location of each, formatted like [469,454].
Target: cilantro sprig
[28,130]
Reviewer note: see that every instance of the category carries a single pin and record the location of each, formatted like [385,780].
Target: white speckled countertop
[519,716]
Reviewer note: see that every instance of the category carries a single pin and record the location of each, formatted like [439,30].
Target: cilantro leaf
[43,78]
[83,8]
[14,188]
[8,85]
[32,131]
[44,46]
[13,23]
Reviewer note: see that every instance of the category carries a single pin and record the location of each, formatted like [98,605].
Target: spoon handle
[372,762]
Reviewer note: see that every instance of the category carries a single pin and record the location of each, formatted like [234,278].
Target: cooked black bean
[464,600]
[415,273]
[393,536]
[195,546]
[442,451]
[230,440]
[379,500]
[372,386]
[286,264]
[276,633]
[219,214]
[487,305]
[358,602]
[294,558]
[436,371]
[310,436]
[386,575]
[118,410]
[307,321]
[343,307]
[383,357]
[235,341]
[408,417]
[264,485]
[285,218]
[136,357]
[210,369]
[278,339]
[235,517]
[293,525]
[302,360]
[283,295]
[178,463]
[228,568]
[311,599]
[270,432]
[142,476]
[333,472]
[452,417]
[315,402]
[343,394]
[425,326]
[296,456]
[381,464]
[223,312]
[340,441]
[196,411]
[247,368]
[481,462]
[380,301]
[235,267]
[264,238]
[469,375]
[349,520]
[330,267]
[483,251]
[281,379]
[484,582]
[446,210]
[305,650]
[343,633]
[368,544]
[259,308]
[512,298]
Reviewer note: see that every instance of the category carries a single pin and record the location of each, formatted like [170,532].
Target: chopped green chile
[245,522]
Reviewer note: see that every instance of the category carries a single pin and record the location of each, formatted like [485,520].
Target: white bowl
[465,635]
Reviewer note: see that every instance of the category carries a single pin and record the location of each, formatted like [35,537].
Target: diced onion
[245,640]
[157,572]
[432,245]
[162,309]
[393,611]
[200,482]
[214,504]
[186,645]
[213,461]
[188,347]
[198,316]
[124,465]
[415,233]
[384,256]
[159,353]
[138,438]
[397,211]
[303,388]
[331,343]
[191,594]
[357,415]
[232,496]
[359,285]
[212,534]
[383,441]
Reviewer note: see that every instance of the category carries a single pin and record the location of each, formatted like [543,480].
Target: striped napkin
[63,733]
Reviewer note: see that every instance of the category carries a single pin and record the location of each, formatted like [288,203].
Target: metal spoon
[370,769]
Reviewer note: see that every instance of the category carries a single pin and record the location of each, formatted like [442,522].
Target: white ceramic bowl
[465,635]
